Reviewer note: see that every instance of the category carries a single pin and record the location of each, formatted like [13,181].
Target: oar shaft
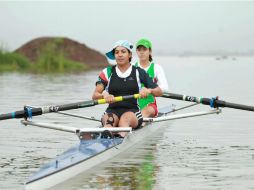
[208,101]
[20,114]
[239,106]
[48,109]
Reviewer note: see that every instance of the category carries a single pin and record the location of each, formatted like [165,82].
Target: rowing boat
[85,155]
[94,151]
[95,147]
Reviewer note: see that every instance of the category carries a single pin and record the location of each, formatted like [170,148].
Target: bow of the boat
[70,163]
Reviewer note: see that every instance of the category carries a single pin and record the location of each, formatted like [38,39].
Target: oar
[29,112]
[72,115]
[213,102]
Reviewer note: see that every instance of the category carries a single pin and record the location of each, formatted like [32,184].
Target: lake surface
[208,152]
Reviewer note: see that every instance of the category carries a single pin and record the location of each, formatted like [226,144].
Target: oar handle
[29,112]
[213,102]
[119,98]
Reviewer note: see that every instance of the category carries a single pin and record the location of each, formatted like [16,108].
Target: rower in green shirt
[155,71]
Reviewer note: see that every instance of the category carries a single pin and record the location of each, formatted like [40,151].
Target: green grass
[51,60]
[10,62]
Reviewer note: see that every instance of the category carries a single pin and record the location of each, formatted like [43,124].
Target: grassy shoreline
[51,60]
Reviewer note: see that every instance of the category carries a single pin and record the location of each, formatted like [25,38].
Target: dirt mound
[71,49]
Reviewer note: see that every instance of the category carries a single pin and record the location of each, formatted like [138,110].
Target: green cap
[144,42]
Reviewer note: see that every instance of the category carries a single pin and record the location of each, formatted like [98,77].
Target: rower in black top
[123,79]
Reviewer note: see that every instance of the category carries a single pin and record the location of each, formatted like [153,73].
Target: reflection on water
[133,169]
[138,175]
[209,152]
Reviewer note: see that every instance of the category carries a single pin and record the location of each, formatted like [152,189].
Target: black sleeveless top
[123,86]
[130,85]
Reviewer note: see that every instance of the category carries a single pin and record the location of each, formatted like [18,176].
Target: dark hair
[150,56]
[131,56]
[128,51]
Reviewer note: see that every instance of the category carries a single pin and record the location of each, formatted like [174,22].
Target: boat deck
[75,155]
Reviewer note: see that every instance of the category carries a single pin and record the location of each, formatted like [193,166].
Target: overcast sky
[171,26]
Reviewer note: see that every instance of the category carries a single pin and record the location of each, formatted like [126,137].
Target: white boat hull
[91,153]
[58,177]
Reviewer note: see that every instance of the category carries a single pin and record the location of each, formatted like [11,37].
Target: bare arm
[97,94]
[144,92]
[150,86]
[156,91]
[162,80]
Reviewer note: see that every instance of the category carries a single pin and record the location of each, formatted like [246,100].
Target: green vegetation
[146,174]
[12,62]
[51,59]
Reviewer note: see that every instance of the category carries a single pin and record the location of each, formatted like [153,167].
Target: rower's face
[122,55]
[143,53]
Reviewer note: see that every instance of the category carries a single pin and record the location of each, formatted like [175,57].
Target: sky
[172,26]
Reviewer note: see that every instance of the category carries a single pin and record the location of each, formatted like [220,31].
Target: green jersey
[150,98]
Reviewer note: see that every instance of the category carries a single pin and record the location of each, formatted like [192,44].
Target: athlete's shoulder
[156,64]
[158,67]
[106,73]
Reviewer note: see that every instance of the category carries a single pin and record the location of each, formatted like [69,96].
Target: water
[208,152]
